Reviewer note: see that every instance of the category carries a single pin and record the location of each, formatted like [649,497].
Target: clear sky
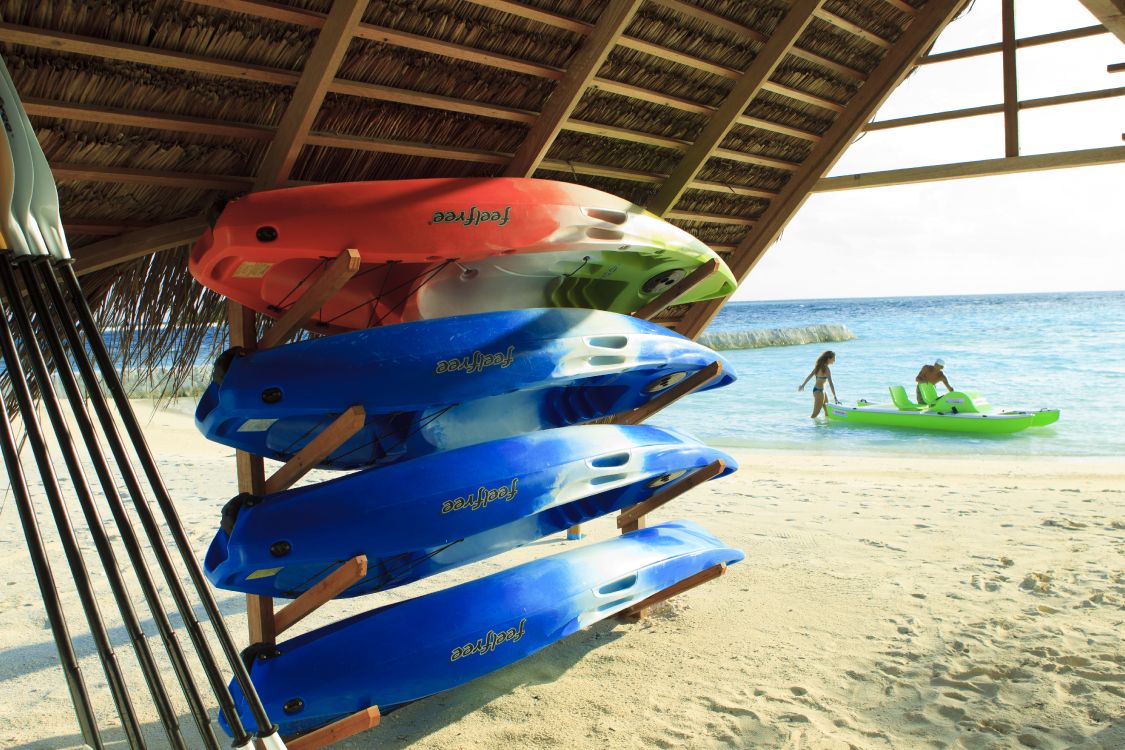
[1058,230]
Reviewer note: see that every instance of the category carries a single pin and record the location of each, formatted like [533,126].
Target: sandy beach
[885,602]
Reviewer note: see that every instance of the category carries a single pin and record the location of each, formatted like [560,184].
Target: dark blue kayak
[418,647]
[419,517]
[440,384]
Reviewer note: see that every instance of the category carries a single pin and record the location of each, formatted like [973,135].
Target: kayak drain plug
[280,549]
[293,705]
[271,395]
[266,234]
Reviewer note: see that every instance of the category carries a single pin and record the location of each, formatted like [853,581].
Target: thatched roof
[718,114]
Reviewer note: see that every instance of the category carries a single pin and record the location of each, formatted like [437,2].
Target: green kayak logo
[475,362]
[489,642]
[473,217]
[482,497]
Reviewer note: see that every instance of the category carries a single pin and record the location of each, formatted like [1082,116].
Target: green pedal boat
[956,411]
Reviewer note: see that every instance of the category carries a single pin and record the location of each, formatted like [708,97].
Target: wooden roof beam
[155,177]
[983,168]
[1111,13]
[319,71]
[710,218]
[581,71]
[796,19]
[917,37]
[150,120]
[138,244]
[1027,41]
[992,109]
[903,6]
[135,53]
[854,29]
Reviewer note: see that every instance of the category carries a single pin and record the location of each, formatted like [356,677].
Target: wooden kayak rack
[265,624]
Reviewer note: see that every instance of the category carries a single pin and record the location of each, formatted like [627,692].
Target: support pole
[1011,94]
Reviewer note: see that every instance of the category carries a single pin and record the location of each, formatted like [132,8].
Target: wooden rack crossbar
[703,576]
[677,290]
[358,722]
[317,449]
[339,271]
[632,518]
[328,588]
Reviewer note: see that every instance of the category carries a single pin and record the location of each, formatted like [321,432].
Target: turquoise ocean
[1064,350]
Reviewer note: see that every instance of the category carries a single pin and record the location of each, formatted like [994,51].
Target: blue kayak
[419,517]
[436,385]
[411,649]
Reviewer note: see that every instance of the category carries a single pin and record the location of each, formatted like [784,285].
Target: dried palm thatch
[166,106]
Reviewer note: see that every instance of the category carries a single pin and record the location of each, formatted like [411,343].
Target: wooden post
[316,294]
[251,477]
[1011,95]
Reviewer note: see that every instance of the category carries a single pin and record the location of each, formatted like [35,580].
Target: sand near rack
[885,602]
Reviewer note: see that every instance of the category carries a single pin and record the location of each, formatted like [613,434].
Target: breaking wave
[759,338]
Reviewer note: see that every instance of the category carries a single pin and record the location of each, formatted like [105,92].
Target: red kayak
[267,247]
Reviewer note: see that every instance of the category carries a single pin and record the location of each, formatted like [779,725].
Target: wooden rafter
[992,109]
[853,28]
[138,244]
[796,19]
[585,65]
[140,119]
[135,53]
[1027,41]
[1111,13]
[319,70]
[159,177]
[983,168]
[895,65]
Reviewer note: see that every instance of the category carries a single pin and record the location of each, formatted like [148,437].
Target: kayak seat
[929,393]
[901,400]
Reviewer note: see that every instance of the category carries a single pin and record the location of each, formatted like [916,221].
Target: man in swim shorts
[932,374]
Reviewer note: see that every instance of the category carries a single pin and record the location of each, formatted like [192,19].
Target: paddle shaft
[46,580]
[117,507]
[164,500]
[132,482]
[81,576]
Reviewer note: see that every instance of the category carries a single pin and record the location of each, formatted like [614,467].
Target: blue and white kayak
[441,384]
[411,649]
[419,517]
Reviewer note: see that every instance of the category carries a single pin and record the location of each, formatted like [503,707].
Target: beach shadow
[22,660]
[415,721]
[114,738]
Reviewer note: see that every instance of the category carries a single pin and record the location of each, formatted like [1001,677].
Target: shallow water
[1063,350]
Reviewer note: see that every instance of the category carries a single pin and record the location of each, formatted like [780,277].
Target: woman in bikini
[821,372]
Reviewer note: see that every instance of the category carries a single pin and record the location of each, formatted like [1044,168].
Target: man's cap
[939,362]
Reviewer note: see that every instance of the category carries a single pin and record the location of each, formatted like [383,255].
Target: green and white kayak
[956,411]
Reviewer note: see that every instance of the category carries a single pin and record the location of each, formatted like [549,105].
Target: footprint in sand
[1037,583]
